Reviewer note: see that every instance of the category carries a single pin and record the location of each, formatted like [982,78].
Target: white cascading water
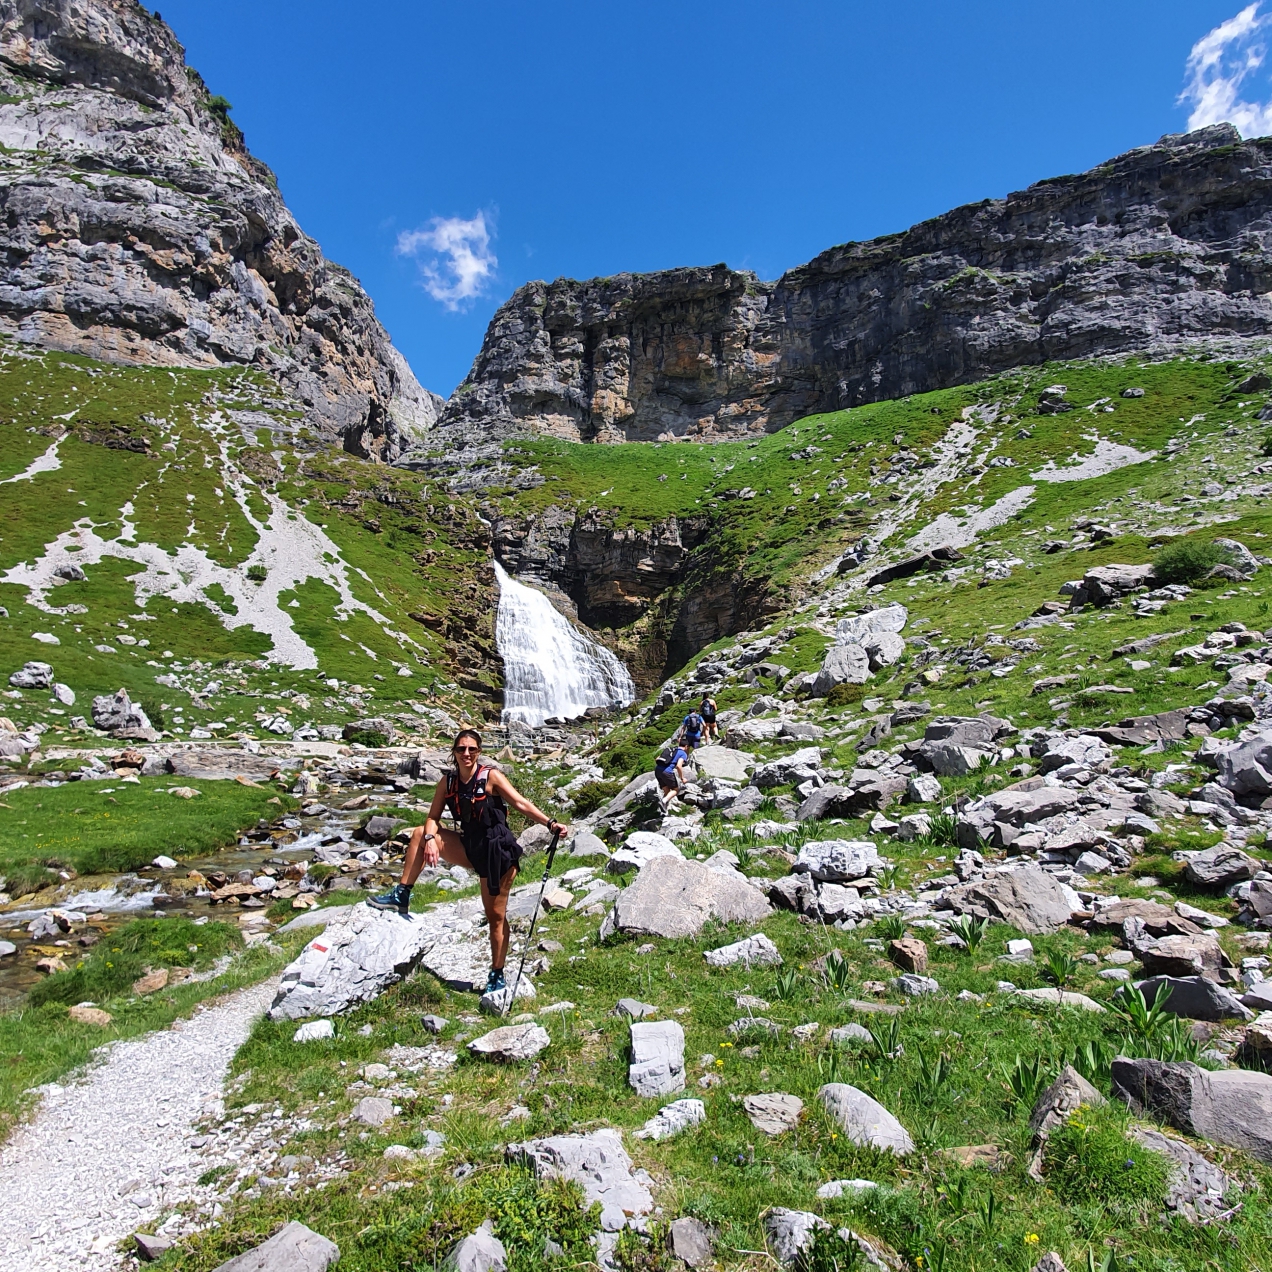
[550,667]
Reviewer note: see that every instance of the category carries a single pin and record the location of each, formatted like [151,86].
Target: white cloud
[1218,65]
[455,257]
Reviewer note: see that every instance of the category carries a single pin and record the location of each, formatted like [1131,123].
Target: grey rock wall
[1165,244]
[136,227]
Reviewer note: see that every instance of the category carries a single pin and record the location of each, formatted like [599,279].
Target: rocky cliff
[137,227]
[1167,243]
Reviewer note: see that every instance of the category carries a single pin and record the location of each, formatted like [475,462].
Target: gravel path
[107,1154]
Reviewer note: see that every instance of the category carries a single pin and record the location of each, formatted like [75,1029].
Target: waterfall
[550,667]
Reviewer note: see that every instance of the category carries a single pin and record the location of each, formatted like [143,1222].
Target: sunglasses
[462,750]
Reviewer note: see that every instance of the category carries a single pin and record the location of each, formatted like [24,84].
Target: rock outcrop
[138,228]
[1162,244]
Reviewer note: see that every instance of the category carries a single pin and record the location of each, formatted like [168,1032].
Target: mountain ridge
[1156,248]
[138,228]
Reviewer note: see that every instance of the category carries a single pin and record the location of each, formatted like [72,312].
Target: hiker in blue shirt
[691,728]
[669,770]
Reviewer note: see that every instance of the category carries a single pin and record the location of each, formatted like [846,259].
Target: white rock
[313,1030]
[673,1118]
[863,1119]
[838,860]
[511,1043]
[837,1187]
[658,1058]
[754,951]
[599,1164]
[639,849]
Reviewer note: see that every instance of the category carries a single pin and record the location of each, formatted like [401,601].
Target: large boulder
[672,897]
[855,630]
[1230,1106]
[1245,768]
[364,951]
[843,665]
[883,649]
[658,1058]
[118,715]
[1196,997]
[957,745]
[1107,584]
[33,675]
[1220,867]
[839,860]
[723,762]
[598,1163]
[1198,954]
[794,766]
[863,1119]
[1158,920]
[1086,750]
[1068,1093]
[294,1248]
[637,791]
[1030,801]
[639,849]
[1029,899]
[223,765]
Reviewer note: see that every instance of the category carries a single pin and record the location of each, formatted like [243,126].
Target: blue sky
[591,138]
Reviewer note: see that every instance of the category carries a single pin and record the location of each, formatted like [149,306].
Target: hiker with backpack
[669,772]
[707,710]
[477,796]
[691,728]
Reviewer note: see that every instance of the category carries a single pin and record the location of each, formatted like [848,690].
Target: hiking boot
[398,898]
[495,981]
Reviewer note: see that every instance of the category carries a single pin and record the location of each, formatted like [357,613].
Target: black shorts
[667,779]
[492,852]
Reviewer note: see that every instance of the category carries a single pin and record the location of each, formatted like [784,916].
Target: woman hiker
[477,796]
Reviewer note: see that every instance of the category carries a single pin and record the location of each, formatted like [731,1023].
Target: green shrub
[120,957]
[591,795]
[1090,1156]
[1266,449]
[1187,561]
[257,573]
[845,695]
[372,738]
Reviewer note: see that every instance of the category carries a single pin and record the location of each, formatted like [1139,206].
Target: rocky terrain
[1166,243]
[138,228]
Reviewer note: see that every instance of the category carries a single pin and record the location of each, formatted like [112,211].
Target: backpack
[666,758]
[693,723]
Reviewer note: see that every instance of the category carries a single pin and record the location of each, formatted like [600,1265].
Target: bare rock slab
[863,1119]
[373,1110]
[599,1164]
[658,1058]
[774,1114]
[1232,1106]
[839,860]
[754,951]
[672,897]
[791,1232]
[511,1043]
[294,1248]
[1028,899]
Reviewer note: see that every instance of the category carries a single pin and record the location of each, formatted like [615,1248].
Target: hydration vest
[470,803]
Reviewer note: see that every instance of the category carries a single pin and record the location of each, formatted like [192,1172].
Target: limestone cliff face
[1167,243]
[135,226]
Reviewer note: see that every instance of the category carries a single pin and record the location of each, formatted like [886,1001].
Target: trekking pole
[534,919]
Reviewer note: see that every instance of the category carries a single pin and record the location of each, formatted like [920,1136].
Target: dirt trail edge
[109,1152]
